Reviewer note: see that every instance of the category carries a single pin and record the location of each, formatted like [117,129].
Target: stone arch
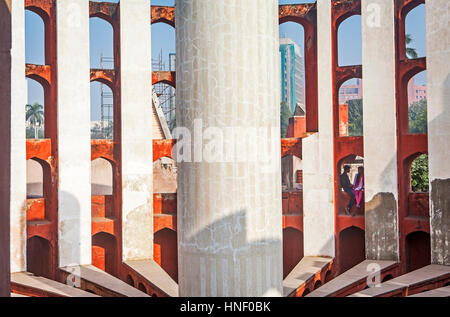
[142,288]
[166,251]
[104,255]
[39,257]
[343,198]
[102,182]
[418,250]
[292,249]
[349,30]
[352,248]
[130,280]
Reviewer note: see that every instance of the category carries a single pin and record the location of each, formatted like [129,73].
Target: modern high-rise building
[292,74]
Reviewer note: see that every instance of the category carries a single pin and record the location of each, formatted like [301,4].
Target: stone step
[35,286]
[95,280]
[303,272]
[404,284]
[346,280]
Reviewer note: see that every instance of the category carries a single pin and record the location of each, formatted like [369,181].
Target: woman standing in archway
[358,186]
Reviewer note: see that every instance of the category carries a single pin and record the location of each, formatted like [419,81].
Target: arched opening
[291,173]
[164,59]
[101,43]
[102,111]
[306,292]
[317,285]
[35,110]
[165,173]
[350,41]
[130,280]
[328,277]
[387,278]
[166,251]
[418,196]
[39,253]
[104,252]
[166,94]
[292,249]
[352,248]
[142,288]
[418,250]
[101,177]
[351,108]
[417,104]
[415,33]
[351,168]
[35,180]
[293,92]
[34,38]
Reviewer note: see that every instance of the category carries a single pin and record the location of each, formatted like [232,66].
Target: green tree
[355,117]
[410,52]
[286,113]
[35,115]
[419,174]
[417,114]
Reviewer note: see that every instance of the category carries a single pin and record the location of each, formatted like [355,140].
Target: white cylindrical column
[380,140]
[318,170]
[438,83]
[74,133]
[136,123]
[229,197]
[18,141]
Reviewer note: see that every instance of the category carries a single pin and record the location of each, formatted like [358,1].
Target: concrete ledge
[19,295]
[438,292]
[155,275]
[104,284]
[30,285]
[305,271]
[353,276]
[403,284]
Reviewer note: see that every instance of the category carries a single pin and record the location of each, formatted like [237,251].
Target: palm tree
[410,52]
[35,115]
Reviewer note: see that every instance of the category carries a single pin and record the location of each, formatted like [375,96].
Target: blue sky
[163,41]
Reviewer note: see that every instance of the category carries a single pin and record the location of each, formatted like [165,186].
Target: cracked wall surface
[438,85]
[380,142]
[230,224]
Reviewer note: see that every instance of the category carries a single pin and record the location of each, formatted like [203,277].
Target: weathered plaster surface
[74,139]
[381,228]
[18,155]
[136,104]
[230,219]
[438,85]
[380,130]
[5,141]
[318,152]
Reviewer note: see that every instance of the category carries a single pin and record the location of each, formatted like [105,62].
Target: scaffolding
[165,93]
[107,101]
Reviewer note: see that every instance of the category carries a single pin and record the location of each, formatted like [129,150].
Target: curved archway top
[412,67]
[40,7]
[292,147]
[355,226]
[103,10]
[104,76]
[304,14]
[41,149]
[406,6]
[344,9]
[103,149]
[163,14]
[164,77]
[39,73]
[345,73]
